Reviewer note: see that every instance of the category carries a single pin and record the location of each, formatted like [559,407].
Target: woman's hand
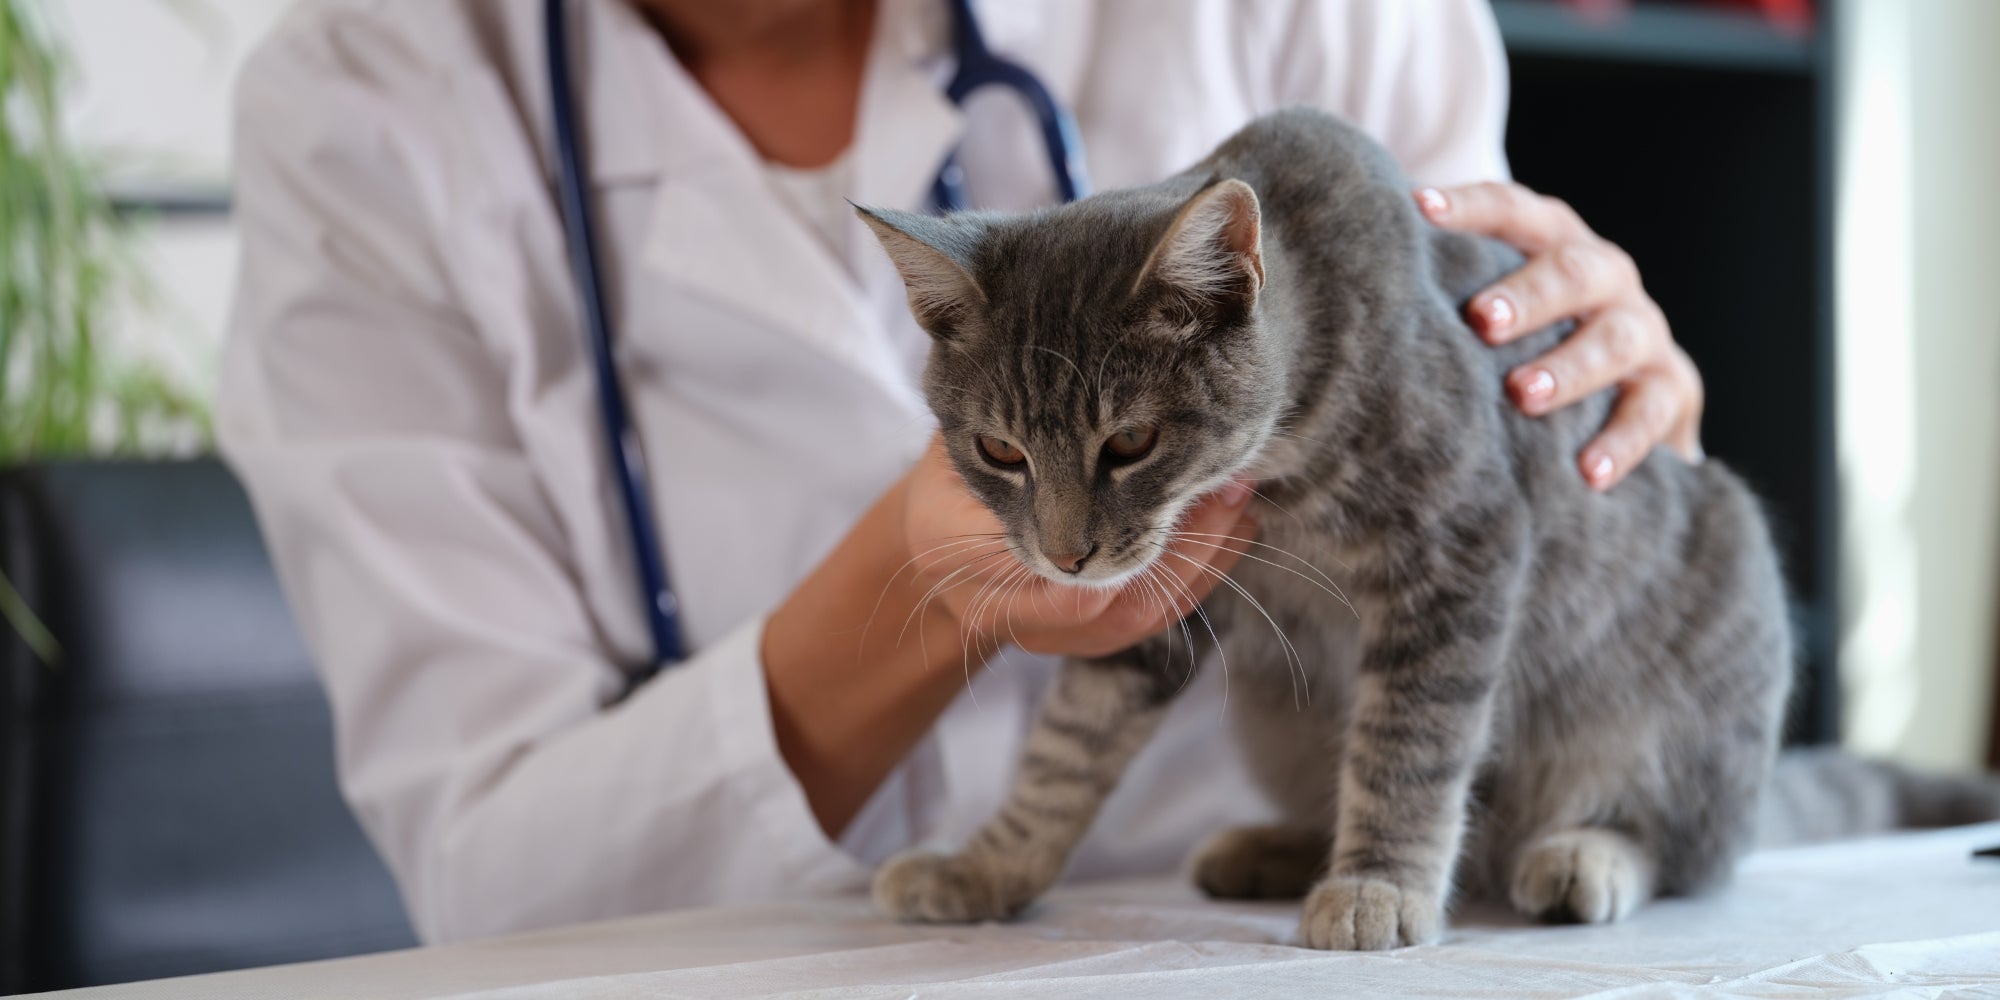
[885,631]
[1622,338]
[960,557]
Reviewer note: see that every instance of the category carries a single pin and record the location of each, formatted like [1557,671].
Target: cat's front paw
[1352,913]
[929,887]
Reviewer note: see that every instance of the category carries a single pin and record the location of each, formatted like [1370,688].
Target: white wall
[1918,328]
[152,88]
[151,99]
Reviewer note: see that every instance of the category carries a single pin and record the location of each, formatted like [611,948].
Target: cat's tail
[1822,794]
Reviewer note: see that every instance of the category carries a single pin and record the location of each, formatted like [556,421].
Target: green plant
[65,262]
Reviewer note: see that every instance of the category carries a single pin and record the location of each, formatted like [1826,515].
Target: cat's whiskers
[987,601]
[965,552]
[1330,587]
[1292,657]
[1066,359]
[959,548]
[963,390]
[1022,579]
[954,542]
[1315,442]
[993,591]
[936,589]
[968,628]
[1025,580]
[1275,505]
[1265,545]
[1153,595]
[971,560]
[950,549]
[1222,657]
[1149,575]
[1170,606]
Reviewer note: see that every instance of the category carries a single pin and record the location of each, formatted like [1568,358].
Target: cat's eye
[1132,443]
[1000,452]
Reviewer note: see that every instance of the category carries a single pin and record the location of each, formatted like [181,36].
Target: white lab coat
[407,399]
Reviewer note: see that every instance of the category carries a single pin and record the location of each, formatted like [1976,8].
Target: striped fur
[1565,699]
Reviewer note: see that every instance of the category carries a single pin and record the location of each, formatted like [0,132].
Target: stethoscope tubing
[977,67]
[628,462]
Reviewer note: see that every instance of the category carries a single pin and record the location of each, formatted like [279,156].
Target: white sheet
[1906,915]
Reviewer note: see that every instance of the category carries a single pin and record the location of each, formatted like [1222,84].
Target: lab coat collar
[718,228]
[905,127]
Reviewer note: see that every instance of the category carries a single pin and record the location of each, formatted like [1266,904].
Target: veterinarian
[409,396]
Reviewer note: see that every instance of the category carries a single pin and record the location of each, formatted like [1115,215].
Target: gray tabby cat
[1603,675]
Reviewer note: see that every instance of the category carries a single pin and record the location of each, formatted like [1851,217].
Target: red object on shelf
[1787,15]
[1599,10]
[1794,16]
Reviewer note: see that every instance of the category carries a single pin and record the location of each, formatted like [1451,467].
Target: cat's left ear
[934,256]
[1207,270]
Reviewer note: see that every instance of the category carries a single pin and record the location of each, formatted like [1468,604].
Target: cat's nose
[1072,562]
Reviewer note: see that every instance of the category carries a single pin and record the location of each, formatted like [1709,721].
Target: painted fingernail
[1597,468]
[1236,494]
[1433,203]
[1497,312]
[1533,388]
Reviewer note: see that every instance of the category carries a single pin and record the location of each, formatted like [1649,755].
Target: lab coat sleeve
[480,736]
[1426,77]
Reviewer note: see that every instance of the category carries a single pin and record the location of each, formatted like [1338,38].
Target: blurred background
[1809,189]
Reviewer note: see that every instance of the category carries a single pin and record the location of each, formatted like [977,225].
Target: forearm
[851,688]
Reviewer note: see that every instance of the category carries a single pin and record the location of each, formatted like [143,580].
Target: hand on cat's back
[959,553]
[1622,337]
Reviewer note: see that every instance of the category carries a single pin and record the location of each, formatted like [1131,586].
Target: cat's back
[1301,158]
[1344,243]
[1332,198]
[1338,206]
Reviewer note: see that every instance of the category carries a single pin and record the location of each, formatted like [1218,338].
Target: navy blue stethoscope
[978,67]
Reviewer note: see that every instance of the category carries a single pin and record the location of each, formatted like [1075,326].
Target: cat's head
[1097,367]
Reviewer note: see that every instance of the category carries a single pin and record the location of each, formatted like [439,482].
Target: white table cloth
[1909,915]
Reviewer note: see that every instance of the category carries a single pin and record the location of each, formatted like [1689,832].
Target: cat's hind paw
[1581,876]
[1261,862]
[1352,913]
[928,887]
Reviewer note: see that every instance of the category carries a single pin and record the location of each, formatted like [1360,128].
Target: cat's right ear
[1208,268]
[934,257]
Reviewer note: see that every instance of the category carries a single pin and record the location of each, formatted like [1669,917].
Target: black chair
[167,797]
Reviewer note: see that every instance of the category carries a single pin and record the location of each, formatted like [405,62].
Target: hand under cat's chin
[972,577]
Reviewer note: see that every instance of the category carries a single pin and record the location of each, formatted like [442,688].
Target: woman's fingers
[1624,341]
[1570,280]
[1685,437]
[1645,414]
[1509,212]
[1606,351]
